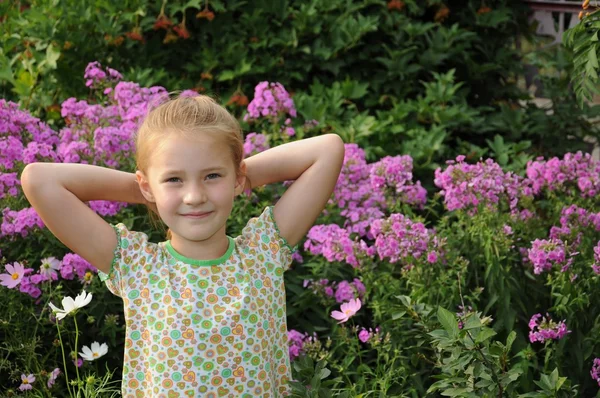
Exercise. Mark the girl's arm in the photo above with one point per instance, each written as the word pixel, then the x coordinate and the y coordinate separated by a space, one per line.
pixel 314 164
pixel 58 191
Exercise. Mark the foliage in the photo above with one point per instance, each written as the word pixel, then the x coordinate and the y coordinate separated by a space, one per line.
pixel 498 247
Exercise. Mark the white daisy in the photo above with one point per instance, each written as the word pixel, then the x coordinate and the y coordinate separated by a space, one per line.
pixel 95 352
pixel 70 305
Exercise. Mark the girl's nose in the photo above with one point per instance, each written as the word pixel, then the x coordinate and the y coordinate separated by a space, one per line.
pixel 195 194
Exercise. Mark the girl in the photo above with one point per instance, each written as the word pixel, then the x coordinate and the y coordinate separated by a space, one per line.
pixel 205 313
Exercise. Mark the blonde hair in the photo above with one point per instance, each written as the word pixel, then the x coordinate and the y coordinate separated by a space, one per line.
pixel 189 116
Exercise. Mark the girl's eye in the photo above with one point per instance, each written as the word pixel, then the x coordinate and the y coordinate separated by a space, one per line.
pixel 173 179
pixel 212 176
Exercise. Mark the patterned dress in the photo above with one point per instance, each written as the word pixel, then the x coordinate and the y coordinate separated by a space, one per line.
pixel 212 328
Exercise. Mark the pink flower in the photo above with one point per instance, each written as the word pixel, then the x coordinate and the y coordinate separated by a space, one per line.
pixel 14 276
pixel 348 310
pixel 49 268
pixel 53 376
pixel 26 382
pixel 364 335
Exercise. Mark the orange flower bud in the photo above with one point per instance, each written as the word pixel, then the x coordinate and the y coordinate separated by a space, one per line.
pixel 586 4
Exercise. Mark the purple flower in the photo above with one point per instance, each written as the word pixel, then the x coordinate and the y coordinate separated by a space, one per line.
pixel 398 237
pixel 465 186
pixel 255 143
pixel 546 329
pixel 595 372
pixel 26 382
pixel 53 376
pixel 576 170
pixel 14 275
pixel 296 341
pixel 364 335
pixel 546 253
pixel 20 222
pixel 270 100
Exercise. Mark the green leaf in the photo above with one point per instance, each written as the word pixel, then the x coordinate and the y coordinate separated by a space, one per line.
pixel 485 334
pixel 510 340
pixel 448 321
pixel 52 55
pixel 592 57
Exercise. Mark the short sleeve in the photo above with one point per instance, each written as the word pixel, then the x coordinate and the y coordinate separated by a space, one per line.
pixel 130 246
pixel 262 233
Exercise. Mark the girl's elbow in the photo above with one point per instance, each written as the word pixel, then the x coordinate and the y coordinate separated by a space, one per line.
pixel 32 176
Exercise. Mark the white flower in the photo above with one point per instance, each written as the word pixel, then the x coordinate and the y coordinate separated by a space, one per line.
pixel 49 267
pixel 71 305
pixel 95 352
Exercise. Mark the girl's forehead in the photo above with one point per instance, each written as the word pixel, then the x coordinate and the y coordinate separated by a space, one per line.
pixel 179 152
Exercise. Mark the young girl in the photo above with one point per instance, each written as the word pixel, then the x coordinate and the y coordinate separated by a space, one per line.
pixel 205 313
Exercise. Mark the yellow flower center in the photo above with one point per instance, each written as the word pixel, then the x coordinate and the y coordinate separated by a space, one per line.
pixel 88 276
pixel 15 276
pixel 25 381
pixel 95 354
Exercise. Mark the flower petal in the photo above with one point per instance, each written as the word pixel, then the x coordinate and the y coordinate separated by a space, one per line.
pixel 68 304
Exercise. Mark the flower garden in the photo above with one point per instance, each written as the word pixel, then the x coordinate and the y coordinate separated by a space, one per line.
pixel 459 254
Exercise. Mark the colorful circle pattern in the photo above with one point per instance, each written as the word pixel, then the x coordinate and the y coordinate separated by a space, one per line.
pixel 214 330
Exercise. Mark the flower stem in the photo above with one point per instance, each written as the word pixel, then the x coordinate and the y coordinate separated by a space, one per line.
pixel 76 359
pixel 62 348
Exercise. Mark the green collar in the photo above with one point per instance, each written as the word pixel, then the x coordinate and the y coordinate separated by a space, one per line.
pixel 192 261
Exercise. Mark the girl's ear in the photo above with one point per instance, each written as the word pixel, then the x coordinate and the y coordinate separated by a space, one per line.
pixel 240 182
pixel 144 186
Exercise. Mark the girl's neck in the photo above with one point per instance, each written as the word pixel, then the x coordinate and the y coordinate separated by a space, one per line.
pixel 210 249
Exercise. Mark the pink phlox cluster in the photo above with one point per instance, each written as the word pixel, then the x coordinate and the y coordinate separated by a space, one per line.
pixel 270 100
pixel 595 372
pixel 361 188
pixel 296 341
pixel 39 152
pixel 365 335
pixel 342 291
pixel 107 208
pixel 545 253
pixel 188 94
pixel 395 173
pixel 23 126
pixel 95 75
pixel 11 152
pixel 8 184
pixel 255 143
pixel 546 329
pixel 577 169
pixel 74 265
pixel 75 152
pixel 28 286
pixel 564 239
pixel 19 222
pixel 112 144
pixel 134 101
pixel 360 204
pixel 398 237
pixel 465 186
pixel 596 264
pixel 334 243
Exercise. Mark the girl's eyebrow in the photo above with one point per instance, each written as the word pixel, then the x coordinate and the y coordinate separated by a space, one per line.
pixel 206 170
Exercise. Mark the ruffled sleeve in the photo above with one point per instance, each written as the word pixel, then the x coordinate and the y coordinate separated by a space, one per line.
pixel 131 246
pixel 261 236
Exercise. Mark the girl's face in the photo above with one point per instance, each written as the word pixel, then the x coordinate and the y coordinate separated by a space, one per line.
pixel 193 184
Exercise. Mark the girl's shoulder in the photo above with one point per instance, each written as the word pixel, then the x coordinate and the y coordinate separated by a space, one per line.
pixel 261 236
pixel 131 248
